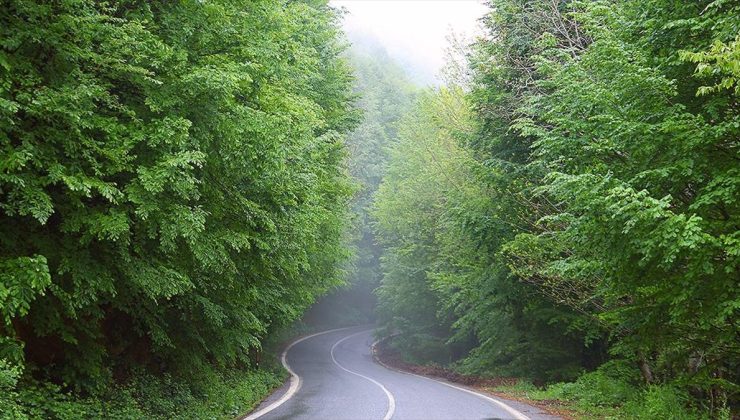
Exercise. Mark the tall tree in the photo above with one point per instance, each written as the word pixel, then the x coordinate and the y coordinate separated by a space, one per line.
pixel 384 93
pixel 172 181
pixel 593 209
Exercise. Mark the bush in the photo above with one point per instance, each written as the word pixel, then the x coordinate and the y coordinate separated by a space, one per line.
pixel 660 402
pixel 611 385
pixel 422 348
pixel 9 407
pixel 615 385
pixel 213 394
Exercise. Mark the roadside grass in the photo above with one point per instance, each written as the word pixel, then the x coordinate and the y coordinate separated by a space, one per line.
pixel 610 392
pixel 553 402
pixel 206 393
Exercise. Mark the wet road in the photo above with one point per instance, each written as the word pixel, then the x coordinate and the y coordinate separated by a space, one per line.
pixel 340 380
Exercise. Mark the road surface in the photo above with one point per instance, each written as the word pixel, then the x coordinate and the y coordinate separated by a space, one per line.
pixel 340 380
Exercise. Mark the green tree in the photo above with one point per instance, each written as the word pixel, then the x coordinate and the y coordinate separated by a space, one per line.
pixel 592 209
pixel 172 184
pixel 384 95
pixel 644 174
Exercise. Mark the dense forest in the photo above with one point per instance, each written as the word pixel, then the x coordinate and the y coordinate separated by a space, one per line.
pixel 172 189
pixel 572 206
pixel 384 94
pixel 182 181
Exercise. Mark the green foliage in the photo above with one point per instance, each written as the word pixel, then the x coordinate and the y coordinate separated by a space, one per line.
pixel 9 399
pixel 422 348
pixel 384 95
pixel 612 384
pixel 210 394
pixel 720 60
pixel 601 394
pixel 21 279
pixel 646 189
pixel 172 183
pixel 226 394
pixel 591 212
pixel 660 402
pixel 456 191
pixel 426 166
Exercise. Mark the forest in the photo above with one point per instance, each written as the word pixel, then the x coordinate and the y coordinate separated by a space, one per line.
pixel 566 209
pixel 185 184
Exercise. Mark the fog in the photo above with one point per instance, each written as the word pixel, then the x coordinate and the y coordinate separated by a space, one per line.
pixel 415 33
pixel 395 45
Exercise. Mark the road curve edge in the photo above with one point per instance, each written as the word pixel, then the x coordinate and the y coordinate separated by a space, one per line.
pixel 295 380
pixel 514 412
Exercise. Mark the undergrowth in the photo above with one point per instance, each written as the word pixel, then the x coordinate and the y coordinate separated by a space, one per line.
pixel 613 391
pixel 206 394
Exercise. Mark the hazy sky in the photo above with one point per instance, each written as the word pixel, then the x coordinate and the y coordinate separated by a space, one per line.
pixel 413 31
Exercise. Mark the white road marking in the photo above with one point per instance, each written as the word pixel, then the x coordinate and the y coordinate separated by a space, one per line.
pixel 295 380
pixel 391 400
pixel 517 415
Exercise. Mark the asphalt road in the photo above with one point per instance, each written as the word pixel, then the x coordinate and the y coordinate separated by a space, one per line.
pixel 340 380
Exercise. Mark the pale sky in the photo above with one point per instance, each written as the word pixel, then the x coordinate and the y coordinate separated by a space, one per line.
pixel 414 32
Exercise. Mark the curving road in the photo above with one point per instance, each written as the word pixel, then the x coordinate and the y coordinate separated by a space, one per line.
pixel 335 377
